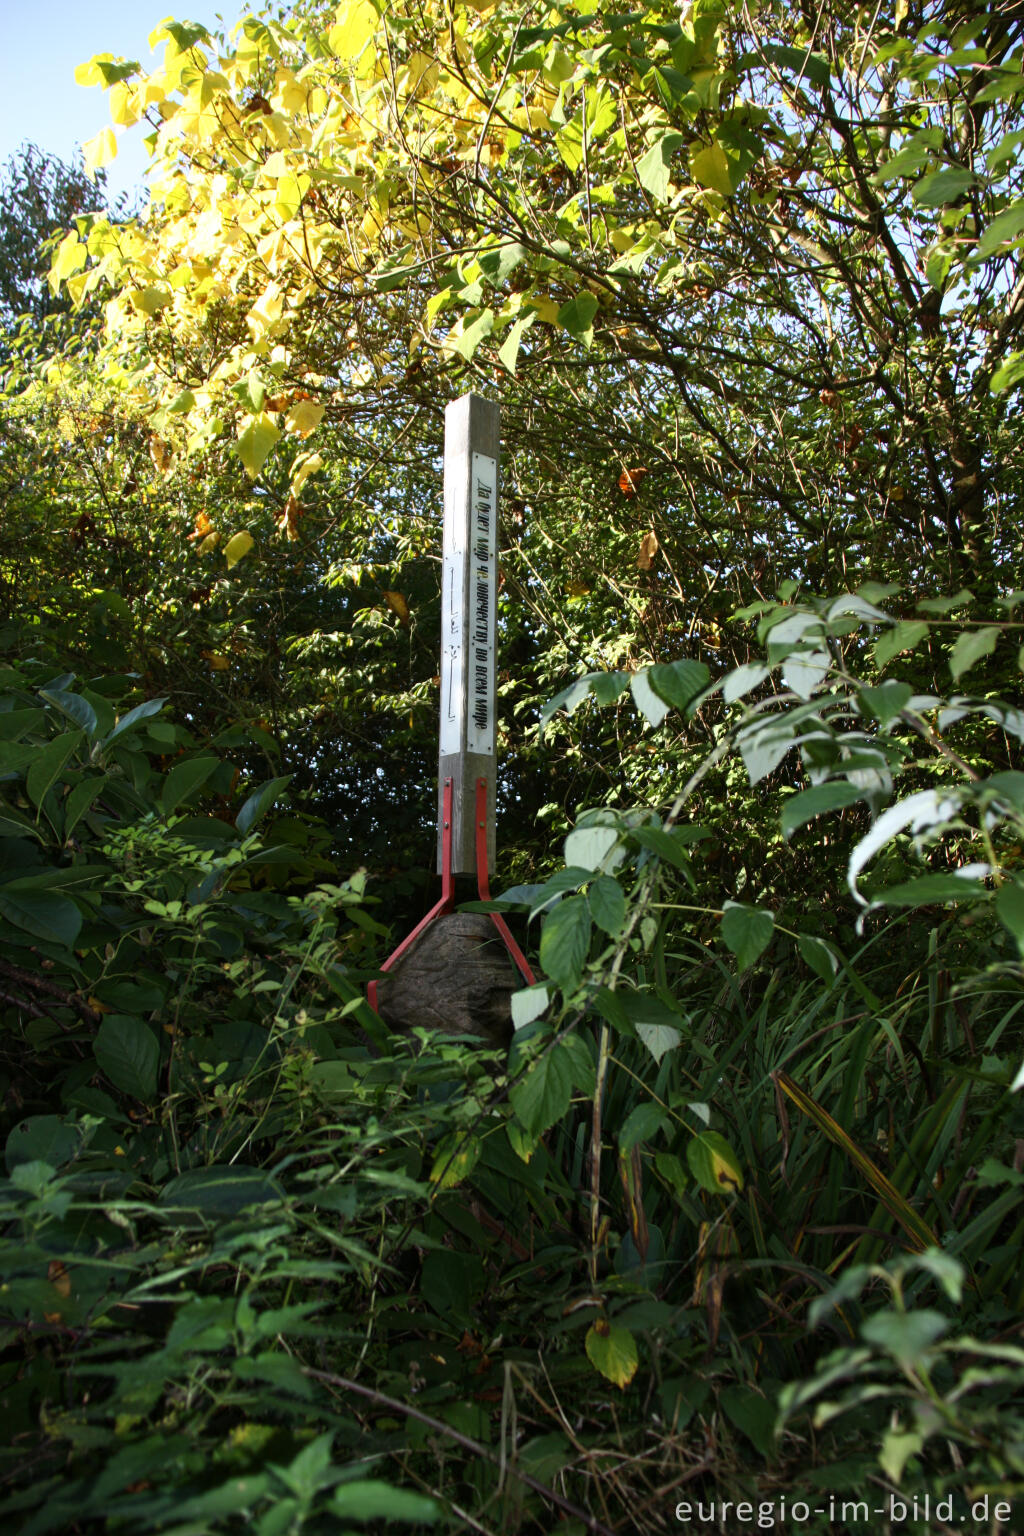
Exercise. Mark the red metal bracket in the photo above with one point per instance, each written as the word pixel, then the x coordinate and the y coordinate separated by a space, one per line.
pixel 483 884
pixel 447 892
pixel 447 900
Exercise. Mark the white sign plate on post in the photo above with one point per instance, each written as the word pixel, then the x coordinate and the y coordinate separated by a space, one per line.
pixel 467 611
pixel 468 620
pixel 483 570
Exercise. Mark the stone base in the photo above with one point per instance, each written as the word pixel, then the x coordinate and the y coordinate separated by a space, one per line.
pixel 458 977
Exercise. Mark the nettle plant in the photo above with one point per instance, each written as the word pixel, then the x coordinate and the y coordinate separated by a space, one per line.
pixel 833 718
pixel 826 690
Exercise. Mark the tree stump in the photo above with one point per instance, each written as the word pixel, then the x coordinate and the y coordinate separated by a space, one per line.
pixel 458 977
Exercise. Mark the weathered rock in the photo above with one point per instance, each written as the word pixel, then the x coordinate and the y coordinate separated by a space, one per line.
pixel 458 977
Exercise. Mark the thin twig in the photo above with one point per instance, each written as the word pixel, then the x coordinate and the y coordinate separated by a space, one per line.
pixel 382 1400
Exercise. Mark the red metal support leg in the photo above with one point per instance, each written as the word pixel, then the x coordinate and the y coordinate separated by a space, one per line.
pixel 446 902
pixel 483 884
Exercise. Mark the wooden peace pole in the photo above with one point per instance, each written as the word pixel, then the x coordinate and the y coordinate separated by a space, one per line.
pixel 467 755
pixel 468 630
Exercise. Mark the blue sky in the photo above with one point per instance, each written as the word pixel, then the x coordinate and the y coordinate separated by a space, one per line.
pixel 41 41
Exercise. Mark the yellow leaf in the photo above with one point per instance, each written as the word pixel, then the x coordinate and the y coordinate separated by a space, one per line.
pixel 648 550
pixel 238 547
pixel 124 104
pixel 258 436
pixel 70 257
pixel 303 468
pixel 217 663
pixel 209 544
pixel 58 1277
pixel 99 151
pixel 90 73
pixel 710 168
pixel 290 192
pixel 160 454
pixel 398 605
pixel 150 300
pixel 266 312
pixel 356 23
pixel 546 309
pixel 304 417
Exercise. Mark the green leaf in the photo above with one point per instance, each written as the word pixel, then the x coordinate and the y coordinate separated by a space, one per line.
pixel 80 800
pixel 544 1094
pixel 565 942
pixel 612 1351
pixel 508 352
pixel 183 781
pixel 78 710
pixel 906 1336
pixel 961 599
pixel 904 636
pixel 608 687
pixel 132 718
pixel 251 391
pixel 371 1499
pixel 747 931
pixel 714 1164
pixel 763 746
pixel 886 700
pixel 670 844
pixel 672 1171
pixel 930 890
pixel 970 647
pixel 798 63
pixel 898 1445
pixel 43 914
pixel 455 1158
pixel 607 902
pixel 818 955
pixel 678 682
pixel 1006 226
pixel 1009 905
pixel 803 807
pixel 753 1414
pixel 646 700
pixel 128 1054
pixel 260 801
pixel 42 1139
pixel 255 441
pixel 528 1004
pixel 658 1038
pixel 48 763
pixel 18 723
pixel 1009 372
pixel 654 168
pixel 590 847
pixel 469 338
pixel 642 1124
pixel 221 1190
pixel 940 188
pixel 500 261
pixel 577 317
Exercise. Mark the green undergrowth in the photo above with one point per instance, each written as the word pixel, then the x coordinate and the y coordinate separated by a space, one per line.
pixel 738 1217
